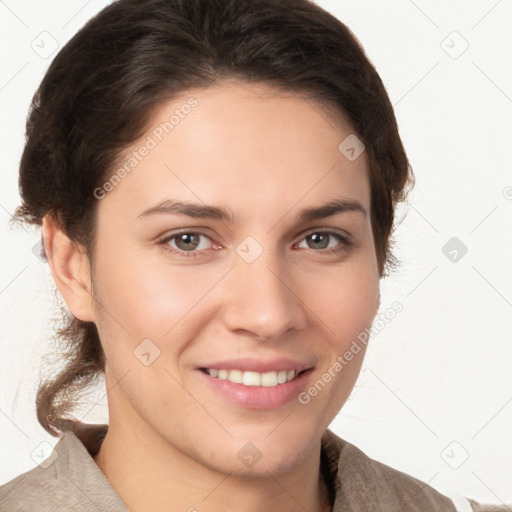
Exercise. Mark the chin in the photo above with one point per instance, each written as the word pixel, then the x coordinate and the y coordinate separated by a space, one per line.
pixel 267 451
pixel 258 464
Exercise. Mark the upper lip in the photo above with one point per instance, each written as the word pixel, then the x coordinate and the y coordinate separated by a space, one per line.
pixel 258 365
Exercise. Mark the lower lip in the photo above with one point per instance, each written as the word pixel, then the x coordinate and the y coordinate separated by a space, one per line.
pixel 258 397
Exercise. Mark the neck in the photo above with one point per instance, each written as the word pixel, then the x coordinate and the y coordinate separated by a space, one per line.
pixel 149 474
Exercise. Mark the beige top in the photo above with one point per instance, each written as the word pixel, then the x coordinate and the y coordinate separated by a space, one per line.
pixel 73 482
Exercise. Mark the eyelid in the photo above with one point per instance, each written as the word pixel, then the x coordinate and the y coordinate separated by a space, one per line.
pixel 340 232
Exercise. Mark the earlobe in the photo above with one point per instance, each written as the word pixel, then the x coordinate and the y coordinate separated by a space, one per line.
pixel 70 269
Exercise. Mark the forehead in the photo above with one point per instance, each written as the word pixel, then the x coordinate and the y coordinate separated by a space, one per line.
pixel 248 146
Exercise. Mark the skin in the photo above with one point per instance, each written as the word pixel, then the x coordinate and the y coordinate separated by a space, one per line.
pixel 172 441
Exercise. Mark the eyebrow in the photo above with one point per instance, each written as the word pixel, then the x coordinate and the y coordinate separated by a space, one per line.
pixel 202 211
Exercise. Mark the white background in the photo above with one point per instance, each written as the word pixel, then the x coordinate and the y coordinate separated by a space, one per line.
pixel 435 396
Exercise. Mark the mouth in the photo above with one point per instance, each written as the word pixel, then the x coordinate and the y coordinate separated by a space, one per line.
pixel 249 389
pixel 250 378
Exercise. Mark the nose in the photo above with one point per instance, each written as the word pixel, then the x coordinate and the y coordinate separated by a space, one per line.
pixel 260 300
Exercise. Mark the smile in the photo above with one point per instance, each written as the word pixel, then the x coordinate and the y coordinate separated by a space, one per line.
pixel 249 378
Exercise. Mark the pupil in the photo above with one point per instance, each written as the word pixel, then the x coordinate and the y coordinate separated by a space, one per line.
pixel 318 237
pixel 187 239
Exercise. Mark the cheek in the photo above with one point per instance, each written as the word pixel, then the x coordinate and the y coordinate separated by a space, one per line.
pixel 143 296
pixel 347 311
pixel 139 298
pixel 347 305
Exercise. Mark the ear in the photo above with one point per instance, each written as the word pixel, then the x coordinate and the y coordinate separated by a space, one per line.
pixel 70 269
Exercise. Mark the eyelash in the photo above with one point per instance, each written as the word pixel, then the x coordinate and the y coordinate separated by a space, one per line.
pixel 345 243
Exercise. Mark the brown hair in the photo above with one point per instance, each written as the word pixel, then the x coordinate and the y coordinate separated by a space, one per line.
pixel 99 92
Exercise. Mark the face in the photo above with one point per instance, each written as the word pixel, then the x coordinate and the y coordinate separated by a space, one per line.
pixel 223 292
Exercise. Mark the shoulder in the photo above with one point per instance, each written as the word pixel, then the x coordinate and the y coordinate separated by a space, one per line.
pixel 366 484
pixel 68 478
pixel 481 507
pixel 31 487
pixel 363 483
pixel 40 488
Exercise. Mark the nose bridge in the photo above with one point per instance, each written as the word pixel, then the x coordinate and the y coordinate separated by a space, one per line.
pixel 261 299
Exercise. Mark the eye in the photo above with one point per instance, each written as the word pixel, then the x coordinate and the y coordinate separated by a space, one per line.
pixel 325 241
pixel 192 244
pixel 186 243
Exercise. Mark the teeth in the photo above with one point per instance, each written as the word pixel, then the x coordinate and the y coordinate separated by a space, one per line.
pixel 249 378
pixel 236 376
pixel 269 379
pixel 282 376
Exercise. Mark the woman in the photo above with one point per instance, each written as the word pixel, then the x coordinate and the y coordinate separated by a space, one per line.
pixel 216 184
